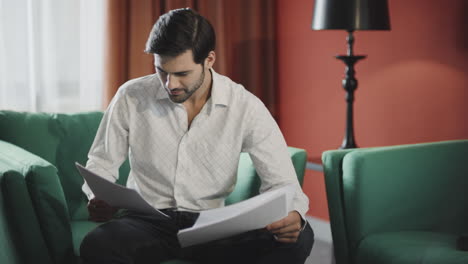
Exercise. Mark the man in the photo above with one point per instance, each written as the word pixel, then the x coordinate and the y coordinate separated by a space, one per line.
pixel 183 130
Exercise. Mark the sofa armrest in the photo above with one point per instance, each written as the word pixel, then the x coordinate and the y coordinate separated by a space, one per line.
pixel 333 170
pixel 46 196
pixel 248 182
pixel 20 221
pixel 299 160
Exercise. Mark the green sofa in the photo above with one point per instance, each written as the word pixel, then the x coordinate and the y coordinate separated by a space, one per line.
pixel 400 204
pixel 43 210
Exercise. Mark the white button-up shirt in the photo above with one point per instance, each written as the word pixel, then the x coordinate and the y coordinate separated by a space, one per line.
pixel 174 166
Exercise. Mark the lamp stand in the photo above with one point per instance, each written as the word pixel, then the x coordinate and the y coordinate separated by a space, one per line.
pixel 350 85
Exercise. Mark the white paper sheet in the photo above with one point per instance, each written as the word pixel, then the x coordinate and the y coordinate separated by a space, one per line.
pixel 114 194
pixel 254 213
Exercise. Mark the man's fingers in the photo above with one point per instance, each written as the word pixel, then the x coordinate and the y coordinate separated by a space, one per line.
pixel 98 203
pixel 286 240
pixel 100 217
pixel 101 211
pixel 291 219
pixel 278 224
pixel 275 225
pixel 286 229
pixel 292 235
pixel 100 207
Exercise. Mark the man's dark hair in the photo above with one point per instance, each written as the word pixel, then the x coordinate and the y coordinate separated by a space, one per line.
pixel 180 30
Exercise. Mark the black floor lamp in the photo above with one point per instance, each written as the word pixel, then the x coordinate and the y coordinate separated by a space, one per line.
pixel 350 15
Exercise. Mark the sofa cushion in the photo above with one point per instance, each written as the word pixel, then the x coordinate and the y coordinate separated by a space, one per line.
pixel 34 132
pixel 77 133
pixel 410 247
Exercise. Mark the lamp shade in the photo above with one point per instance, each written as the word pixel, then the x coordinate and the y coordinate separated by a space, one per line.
pixel 351 15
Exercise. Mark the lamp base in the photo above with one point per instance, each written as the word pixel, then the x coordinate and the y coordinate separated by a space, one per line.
pixel 350 85
pixel 348 145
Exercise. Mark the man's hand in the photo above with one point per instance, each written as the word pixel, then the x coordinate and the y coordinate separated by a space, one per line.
pixel 287 230
pixel 100 211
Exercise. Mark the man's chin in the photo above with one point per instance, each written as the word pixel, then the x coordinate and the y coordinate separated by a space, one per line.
pixel 178 98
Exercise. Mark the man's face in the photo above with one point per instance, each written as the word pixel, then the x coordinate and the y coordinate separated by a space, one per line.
pixel 180 75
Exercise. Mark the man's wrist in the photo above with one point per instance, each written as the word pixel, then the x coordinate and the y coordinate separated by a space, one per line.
pixel 303 221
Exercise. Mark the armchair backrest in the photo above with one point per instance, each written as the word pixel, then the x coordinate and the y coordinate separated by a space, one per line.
pixel 397 188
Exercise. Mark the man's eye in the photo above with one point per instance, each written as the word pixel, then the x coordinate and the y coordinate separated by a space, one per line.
pixel 181 74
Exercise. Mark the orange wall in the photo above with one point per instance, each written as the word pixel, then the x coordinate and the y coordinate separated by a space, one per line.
pixel 413 87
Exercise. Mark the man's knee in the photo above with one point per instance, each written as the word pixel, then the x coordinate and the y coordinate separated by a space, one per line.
pixel 98 244
pixel 116 241
pixel 306 240
pixel 90 246
pixel 304 243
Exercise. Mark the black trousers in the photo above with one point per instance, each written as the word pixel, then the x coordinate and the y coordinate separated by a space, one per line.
pixel 141 238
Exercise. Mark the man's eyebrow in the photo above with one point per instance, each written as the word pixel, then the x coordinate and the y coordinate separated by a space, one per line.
pixel 181 72
pixel 159 69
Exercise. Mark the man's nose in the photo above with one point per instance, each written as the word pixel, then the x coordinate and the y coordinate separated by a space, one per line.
pixel 172 82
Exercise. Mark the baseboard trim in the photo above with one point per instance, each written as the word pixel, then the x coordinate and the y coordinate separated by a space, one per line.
pixel 321 229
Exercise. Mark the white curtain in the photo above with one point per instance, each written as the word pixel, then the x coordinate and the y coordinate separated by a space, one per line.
pixel 51 55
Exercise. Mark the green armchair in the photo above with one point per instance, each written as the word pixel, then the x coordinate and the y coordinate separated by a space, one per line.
pixel 399 204
pixel 42 208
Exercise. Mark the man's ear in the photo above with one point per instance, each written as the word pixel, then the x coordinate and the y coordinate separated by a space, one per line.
pixel 210 60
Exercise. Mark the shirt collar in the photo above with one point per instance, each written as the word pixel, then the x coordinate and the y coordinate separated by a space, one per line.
pixel 219 93
pixel 160 91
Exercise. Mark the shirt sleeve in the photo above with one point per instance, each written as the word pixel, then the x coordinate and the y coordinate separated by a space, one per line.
pixel 268 150
pixel 110 147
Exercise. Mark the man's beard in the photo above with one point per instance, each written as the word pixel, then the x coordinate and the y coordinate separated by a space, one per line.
pixel 188 91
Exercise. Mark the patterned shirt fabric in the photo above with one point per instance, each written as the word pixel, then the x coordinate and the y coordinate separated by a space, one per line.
pixel 190 168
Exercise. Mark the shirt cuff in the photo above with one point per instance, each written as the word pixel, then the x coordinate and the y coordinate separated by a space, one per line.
pixel 87 191
pixel 304 224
